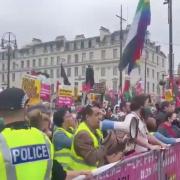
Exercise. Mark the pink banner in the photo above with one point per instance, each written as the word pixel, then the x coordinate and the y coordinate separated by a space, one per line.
pixel 143 166
pixel 64 101
pixel 45 92
pixel 153 165
pixel 171 163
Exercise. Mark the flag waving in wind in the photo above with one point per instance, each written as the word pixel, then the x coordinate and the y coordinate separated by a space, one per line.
pixel 64 76
pixel 135 41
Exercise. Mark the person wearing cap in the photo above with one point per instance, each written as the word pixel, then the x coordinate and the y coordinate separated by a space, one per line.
pixel 25 152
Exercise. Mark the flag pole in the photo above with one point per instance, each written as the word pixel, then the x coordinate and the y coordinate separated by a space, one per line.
pixel 145 72
pixel 121 41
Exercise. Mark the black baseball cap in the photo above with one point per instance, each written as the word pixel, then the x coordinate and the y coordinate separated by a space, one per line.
pixel 13 99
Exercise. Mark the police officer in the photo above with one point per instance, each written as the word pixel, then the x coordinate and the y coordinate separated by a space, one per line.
pixel 25 152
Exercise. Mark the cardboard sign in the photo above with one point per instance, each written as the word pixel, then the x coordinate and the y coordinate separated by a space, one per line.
pixel 65 91
pixel 65 96
pixel 168 95
pixel 64 101
pixel 32 87
pixel 100 87
pixel 45 92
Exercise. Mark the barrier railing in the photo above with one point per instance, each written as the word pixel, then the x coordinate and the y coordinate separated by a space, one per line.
pixel 152 165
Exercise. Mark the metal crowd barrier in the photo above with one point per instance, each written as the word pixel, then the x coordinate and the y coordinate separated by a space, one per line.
pixel 151 165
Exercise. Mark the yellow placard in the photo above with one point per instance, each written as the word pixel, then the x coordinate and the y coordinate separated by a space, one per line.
pixel 65 92
pixel 32 87
pixel 168 95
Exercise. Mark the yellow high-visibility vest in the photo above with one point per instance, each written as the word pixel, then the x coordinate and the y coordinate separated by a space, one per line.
pixel 25 154
pixel 78 161
pixel 63 156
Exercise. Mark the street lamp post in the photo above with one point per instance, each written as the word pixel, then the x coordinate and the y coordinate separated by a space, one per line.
pixel 171 68
pixel 8 42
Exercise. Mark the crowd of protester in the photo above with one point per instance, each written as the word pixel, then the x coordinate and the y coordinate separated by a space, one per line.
pixel 78 140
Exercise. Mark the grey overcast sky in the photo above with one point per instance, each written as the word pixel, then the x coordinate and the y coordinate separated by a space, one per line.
pixel 46 19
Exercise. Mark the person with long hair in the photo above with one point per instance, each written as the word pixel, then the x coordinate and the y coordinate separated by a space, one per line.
pixel 144 140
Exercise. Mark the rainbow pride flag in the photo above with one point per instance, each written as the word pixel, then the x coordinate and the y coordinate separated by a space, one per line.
pixel 135 41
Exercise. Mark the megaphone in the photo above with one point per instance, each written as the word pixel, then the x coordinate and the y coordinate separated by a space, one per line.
pixel 130 127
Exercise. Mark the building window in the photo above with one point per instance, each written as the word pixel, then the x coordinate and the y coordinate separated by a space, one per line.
pixel 103 54
pixel 45 61
pixel 40 62
pixel 52 61
pixel 28 63
pixel 51 48
pixel 51 73
pixel 158 89
pixel 3 78
pixel 82 44
pixel 146 54
pixel 2 56
pixel 27 52
pixel 45 48
pixel 147 72
pixel 158 76
pixel 33 50
pixel 58 73
pixel 76 71
pixel 14 65
pixel 157 60
pixel 34 63
pixel 153 87
pixel 22 64
pixel 14 54
pixel 153 57
pixel 103 71
pixel 71 46
pixel 83 70
pixel 115 70
pixel 153 73
pixel 89 44
pixel 76 58
pixel 91 55
pixel 83 57
pixel 162 62
pixel 13 77
pixel 3 67
pixel 58 60
pixel 115 53
pixel 147 87
pixel 68 72
pixel 69 59
pixel 115 85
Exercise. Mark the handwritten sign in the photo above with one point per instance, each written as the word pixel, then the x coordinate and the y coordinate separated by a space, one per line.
pixel 32 87
pixel 65 91
pixel 65 96
pixel 45 92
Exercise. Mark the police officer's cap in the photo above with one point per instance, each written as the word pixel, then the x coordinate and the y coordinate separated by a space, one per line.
pixel 13 99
